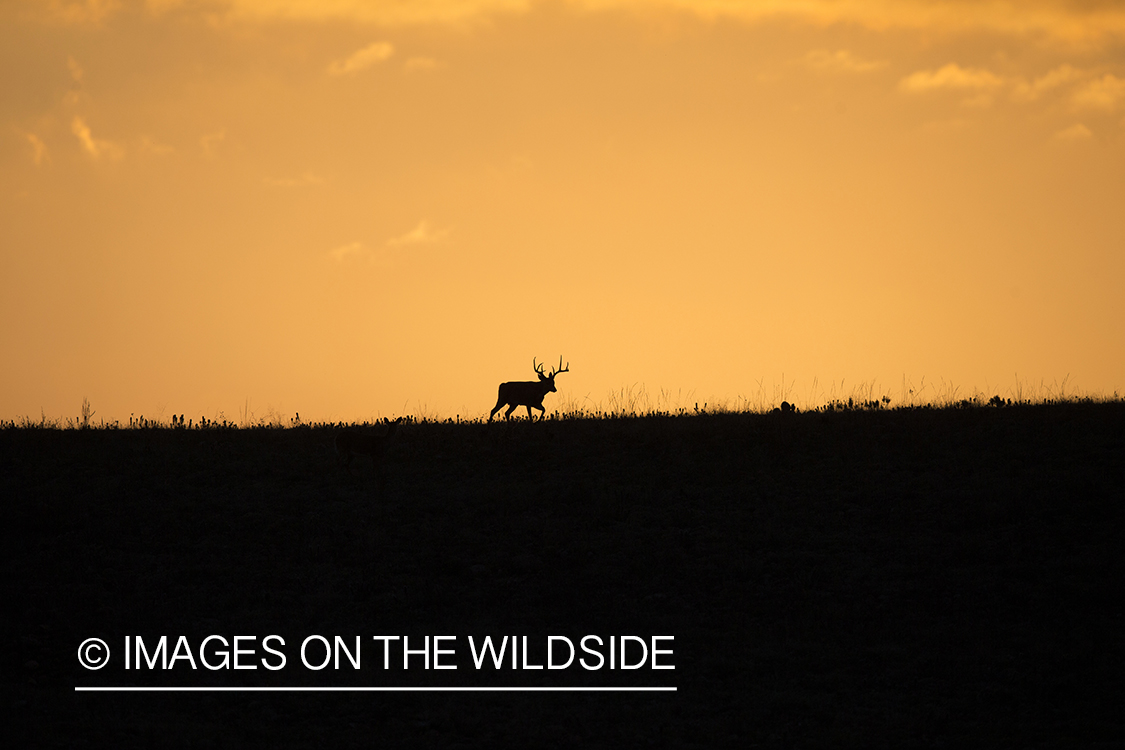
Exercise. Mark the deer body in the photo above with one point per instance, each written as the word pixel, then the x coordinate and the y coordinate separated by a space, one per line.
pixel 529 393
pixel 355 443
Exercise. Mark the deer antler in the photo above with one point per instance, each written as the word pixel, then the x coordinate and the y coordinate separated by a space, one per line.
pixel 560 368
pixel 538 368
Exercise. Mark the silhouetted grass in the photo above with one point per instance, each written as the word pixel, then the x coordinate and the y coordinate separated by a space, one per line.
pixel 856 574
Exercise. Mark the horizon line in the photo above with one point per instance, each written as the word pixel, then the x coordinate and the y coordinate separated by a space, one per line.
pixel 371 689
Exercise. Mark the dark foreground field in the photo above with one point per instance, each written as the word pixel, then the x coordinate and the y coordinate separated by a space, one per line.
pixel 882 578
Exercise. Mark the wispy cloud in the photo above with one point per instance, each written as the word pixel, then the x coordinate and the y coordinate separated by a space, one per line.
pixel 840 61
pixel 1053 79
pixel 381 12
pixel 1058 19
pixel 1055 19
pixel 1104 93
pixel 951 76
pixel 76 71
pixel 1076 132
pixel 1073 21
pixel 1087 91
pixel 361 59
pixel 39 151
pixel 95 147
pixel 393 250
pixel 419 235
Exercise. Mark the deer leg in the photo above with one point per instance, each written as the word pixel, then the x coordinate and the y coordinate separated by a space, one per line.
pixel 511 408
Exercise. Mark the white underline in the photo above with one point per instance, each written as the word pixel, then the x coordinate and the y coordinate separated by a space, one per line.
pixel 112 689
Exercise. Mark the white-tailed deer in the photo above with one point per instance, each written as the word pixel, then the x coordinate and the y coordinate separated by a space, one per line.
pixel 351 442
pixel 528 393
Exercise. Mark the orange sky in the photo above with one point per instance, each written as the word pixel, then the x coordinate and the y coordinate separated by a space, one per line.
pixel 359 209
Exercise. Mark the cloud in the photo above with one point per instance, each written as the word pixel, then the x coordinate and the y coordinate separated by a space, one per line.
pixel 419 235
pixel 1076 132
pixel 381 12
pixel 39 151
pixel 1105 93
pixel 840 61
pixel 347 251
pixel 1072 21
pixel 307 179
pixel 76 71
pixel 951 76
pixel 1027 92
pixel 372 54
pixel 94 147
pixel 1068 20
pixel 1101 93
pixel 392 253
pixel 1059 19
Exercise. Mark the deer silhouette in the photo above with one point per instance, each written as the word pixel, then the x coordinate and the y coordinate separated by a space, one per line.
pixel 528 393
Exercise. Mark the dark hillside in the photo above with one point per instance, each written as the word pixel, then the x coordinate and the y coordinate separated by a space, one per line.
pixel 882 578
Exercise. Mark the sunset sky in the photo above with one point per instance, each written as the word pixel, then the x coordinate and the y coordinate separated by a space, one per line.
pixel 363 208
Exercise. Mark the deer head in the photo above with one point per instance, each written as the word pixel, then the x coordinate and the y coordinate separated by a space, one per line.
pixel 550 379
